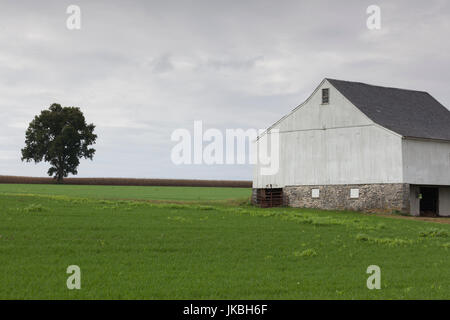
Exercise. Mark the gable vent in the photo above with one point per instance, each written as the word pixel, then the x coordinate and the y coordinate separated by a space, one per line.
pixel 325 96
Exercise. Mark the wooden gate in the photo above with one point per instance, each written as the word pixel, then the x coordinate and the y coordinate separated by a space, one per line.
pixel 267 198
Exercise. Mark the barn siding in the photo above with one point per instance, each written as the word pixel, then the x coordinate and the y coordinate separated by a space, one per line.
pixel 333 144
pixel 426 162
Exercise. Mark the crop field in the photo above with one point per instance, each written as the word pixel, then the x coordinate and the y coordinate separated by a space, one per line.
pixel 129 182
pixel 207 243
pixel 131 192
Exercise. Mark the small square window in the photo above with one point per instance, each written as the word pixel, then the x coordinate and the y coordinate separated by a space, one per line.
pixel 354 193
pixel 325 96
pixel 315 193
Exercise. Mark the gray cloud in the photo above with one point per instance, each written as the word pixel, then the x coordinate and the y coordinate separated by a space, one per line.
pixel 140 69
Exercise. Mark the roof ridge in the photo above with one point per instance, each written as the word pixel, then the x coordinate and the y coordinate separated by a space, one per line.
pixel 377 86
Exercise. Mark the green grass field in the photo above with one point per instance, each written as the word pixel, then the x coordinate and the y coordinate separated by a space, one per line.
pixel 130 192
pixel 207 248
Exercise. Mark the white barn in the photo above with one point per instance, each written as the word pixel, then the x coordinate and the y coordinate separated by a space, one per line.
pixel 356 146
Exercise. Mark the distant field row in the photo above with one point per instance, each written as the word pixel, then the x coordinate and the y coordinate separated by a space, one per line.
pixel 130 182
pixel 131 192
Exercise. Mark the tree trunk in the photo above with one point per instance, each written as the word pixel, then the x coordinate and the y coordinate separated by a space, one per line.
pixel 60 174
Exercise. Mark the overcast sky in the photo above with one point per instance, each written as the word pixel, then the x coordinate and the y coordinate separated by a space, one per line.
pixel 140 69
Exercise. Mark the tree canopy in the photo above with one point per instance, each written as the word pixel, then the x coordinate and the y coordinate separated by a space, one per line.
pixel 60 136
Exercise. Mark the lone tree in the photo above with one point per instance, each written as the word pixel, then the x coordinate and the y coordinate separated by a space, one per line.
pixel 60 136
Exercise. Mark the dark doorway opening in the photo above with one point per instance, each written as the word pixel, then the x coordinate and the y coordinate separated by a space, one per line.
pixel 429 201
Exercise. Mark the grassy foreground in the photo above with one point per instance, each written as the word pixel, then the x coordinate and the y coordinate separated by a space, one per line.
pixel 144 250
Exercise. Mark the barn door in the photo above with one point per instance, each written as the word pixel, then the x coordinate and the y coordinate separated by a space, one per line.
pixel 429 203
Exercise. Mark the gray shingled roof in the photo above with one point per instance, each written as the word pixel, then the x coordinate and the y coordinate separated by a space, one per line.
pixel 409 113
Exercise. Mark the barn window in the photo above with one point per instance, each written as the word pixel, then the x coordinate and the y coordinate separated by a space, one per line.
pixel 354 193
pixel 315 193
pixel 325 96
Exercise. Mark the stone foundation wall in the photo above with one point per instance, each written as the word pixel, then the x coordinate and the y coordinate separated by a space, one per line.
pixel 372 197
